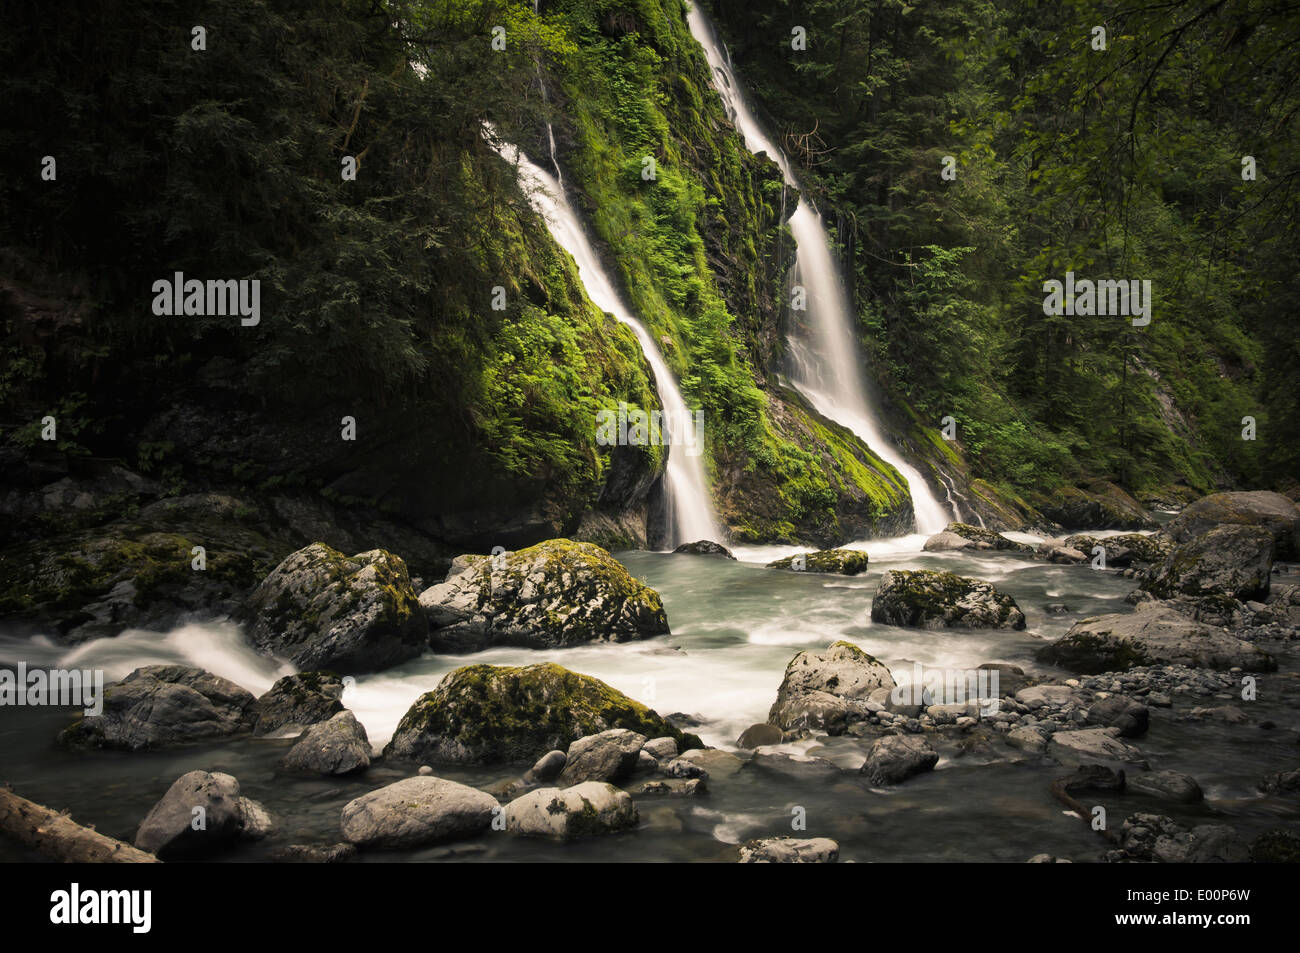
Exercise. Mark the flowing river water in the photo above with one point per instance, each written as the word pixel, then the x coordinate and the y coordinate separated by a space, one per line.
pixel 735 626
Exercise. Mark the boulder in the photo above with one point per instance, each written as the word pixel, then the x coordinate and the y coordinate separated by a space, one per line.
pixel 1124 550
pixel 1028 739
pixel 756 736
pixel 1054 551
pixel 929 599
pixel 547 767
pixel 593 807
pixel 828 689
pixel 1131 717
pixel 607 756
pixel 1091 746
pixel 977 537
pixel 841 562
pixel 1101 506
pixel 1260 509
pixel 718 764
pixel 554 594
pixel 415 812
pixel 674 787
pixel 1151 635
pixel 1231 561
pixel 201 813
pixel 160 706
pixel 705 547
pixel 789 850
pixel 493 713
pixel 895 758
pixel 297 701
pixel 947 542
pixel 1167 786
pixel 801 770
pixel 324 610
pixel 1281 782
pixel 337 746
pixel 1047 696
pixel 661 749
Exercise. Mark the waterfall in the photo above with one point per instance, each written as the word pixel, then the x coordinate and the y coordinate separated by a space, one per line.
pixel 686 488
pixel 825 365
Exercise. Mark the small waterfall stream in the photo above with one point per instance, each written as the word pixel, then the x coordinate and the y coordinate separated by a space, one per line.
pixel 826 363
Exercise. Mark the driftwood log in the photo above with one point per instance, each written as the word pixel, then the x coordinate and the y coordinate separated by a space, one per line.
pixel 58 836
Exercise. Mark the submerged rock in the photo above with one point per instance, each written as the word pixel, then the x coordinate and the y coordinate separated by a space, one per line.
pixel 928 599
pixel 200 814
pixel 489 713
pixel 1260 508
pixel 827 690
pixel 705 547
pixel 1092 745
pixel 314 854
pixel 415 812
pixel 1167 785
pixel 1231 561
pixel 160 706
pixel 553 594
pixel 298 701
pixel 895 758
pixel 789 850
pixel 584 810
pixel 337 746
pixel 1152 635
pixel 324 610
pixel 842 562
pixel 800 770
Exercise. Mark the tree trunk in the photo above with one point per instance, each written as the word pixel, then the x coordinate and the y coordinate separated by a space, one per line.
pixel 61 838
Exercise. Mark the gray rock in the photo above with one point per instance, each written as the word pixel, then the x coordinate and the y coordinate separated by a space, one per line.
pixel 415 812
pixel 896 758
pixel 684 787
pixel 681 768
pixel 593 807
pixel 1166 785
pixel 608 756
pixel 1260 508
pixel 201 813
pixel 719 764
pixel 705 547
pixel 925 598
pixel 314 854
pixel 806 770
pixel 296 701
pixel 839 562
pixel 1055 552
pixel 827 690
pixel 1028 739
pixel 1281 782
pixel 789 850
pixel 1045 696
pixel 1092 745
pixel 160 706
pixel 1151 635
pixel 554 594
pixel 661 748
pixel 548 767
pixel 338 746
pixel 1228 561
pixel 324 610
pixel 1119 711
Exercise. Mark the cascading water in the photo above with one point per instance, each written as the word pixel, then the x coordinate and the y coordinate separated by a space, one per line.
pixel 686 488
pixel 825 366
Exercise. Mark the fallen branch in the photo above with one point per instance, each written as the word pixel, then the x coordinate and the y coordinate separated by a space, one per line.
pixel 61 838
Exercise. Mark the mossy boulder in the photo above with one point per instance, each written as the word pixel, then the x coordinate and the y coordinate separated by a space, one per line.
pixel 929 599
pixel 1101 506
pixel 324 610
pixel 1271 511
pixel 973 537
pixel 556 593
pixel 1126 549
pixel 1231 560
pixel 297 701
pixel 828 690
pixel 839 562
pixel 494 713
pixel 705 547
pixel 1152 635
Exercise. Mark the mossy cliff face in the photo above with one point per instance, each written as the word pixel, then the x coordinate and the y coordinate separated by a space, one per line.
pixel 554 594
pixel 491 713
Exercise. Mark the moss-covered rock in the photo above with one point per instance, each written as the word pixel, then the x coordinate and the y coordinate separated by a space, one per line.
pixel 928 599
pixel 1101 506
pixel 1126 549
pixel 297 701
pixel 974 537
pixel 828 690
pixel 493 713
pixel 322 609
pixel 1231 560
pixel 1271 511
pixel 553 594
pixel 840 562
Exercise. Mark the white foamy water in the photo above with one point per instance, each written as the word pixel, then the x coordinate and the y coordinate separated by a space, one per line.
pixel 685 482
pixel 826 363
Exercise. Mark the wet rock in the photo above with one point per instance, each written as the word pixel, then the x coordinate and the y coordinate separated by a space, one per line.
pixel 314 854
pixel 548 767
pixel 1028 739
pixel 661 748
pixel 607 756
pixel 324 610
pixel 1277 846
pixel 718 764
pixel 976 537
pixel 1118 711
pixel 684 787
pixel 1281 782
pixel 335 747
pixel 161 706
pixel 1261 509
pixel 756 736
pixel 1123 551
pixel 415 812
pixel 554 594
pixel 491 713
pixel 1101 505
pixel 803 770
pixel 297 701
pixel 1167 786
pixel 928 599
pixel 1227 561
pixel 1054 551
pixel 1045 696
pixel 583 810
pixel 200 814
pixel 896 758
pixel 1092 745
pixel 705 547
pixel 789 850
pixel 827 689
pixel 840 562
pixel 680 768
pixel 1152 635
